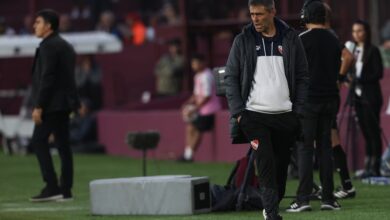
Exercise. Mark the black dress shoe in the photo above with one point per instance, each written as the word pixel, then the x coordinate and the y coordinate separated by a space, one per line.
pixel 47 195
pixel 66 196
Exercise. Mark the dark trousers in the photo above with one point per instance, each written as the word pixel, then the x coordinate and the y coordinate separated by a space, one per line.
pixel 317 124
pixel 276 134
pixel 368 114
pixel 57 124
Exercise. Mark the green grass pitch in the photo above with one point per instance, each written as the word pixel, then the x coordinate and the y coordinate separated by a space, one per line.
pixel 20 179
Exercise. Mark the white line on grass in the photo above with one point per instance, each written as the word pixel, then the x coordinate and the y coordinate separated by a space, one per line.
pixel 8 205
pixel 42 209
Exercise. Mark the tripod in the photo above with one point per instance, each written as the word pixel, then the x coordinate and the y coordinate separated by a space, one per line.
pixel 351 134
pixel 360 108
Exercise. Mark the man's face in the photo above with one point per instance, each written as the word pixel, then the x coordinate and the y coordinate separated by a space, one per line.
pixel 41 28
pixel 261 17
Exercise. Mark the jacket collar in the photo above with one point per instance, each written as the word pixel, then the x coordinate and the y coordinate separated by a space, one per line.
pixel 52 35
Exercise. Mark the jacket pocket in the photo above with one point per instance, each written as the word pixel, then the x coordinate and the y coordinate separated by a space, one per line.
pixel 236 133
pixel 234 127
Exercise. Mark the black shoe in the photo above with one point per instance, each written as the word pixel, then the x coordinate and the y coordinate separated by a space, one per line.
pixel 330 205
pixel 182 159
pixel 47 195
pixel 66 196
pixel 298 206
pixel 344 193
pixel 266 217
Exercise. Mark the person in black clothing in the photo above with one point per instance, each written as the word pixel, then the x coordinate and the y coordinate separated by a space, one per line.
pixel 54 94
pixel 346 190
pixel 323 54
pixel 368 95
pixel 266 86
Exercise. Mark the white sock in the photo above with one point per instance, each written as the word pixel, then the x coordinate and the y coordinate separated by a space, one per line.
pixel 188 153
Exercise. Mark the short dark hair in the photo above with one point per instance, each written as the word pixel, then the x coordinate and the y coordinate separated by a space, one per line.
pixel 199 57
pixel 50 16
pixel 269 4
pixel 316 13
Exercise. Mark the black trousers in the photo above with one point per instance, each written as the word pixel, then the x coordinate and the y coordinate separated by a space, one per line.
pixel 57 124
pixel 276 135
pixel 368 114
pixel 317 124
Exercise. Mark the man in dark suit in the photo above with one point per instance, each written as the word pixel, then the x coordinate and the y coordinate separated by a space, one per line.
pixel 54 94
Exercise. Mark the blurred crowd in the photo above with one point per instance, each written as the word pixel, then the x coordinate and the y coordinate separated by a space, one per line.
pixel 134 26
pixel 137 22
pixel 131 27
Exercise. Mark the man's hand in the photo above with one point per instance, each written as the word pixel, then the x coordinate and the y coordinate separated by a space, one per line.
pixel 239 119
pixel 37 116
pixel 189 113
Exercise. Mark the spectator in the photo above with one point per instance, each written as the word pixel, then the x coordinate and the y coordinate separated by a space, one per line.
pixel 169 71
pixel 134 31
pixel 27 25
pixel 107 24
pixel 169 15
pixel 81 9
pixel 151 24
pixel 5 29
pixel 198 111
pixel 83 129
pixel 88 81
pixel 65 25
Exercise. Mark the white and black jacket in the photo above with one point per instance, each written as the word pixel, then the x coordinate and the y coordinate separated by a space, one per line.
pixel 241 66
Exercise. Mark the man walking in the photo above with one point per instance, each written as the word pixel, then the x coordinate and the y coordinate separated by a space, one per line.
pixel 266 85
pixel 55 96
